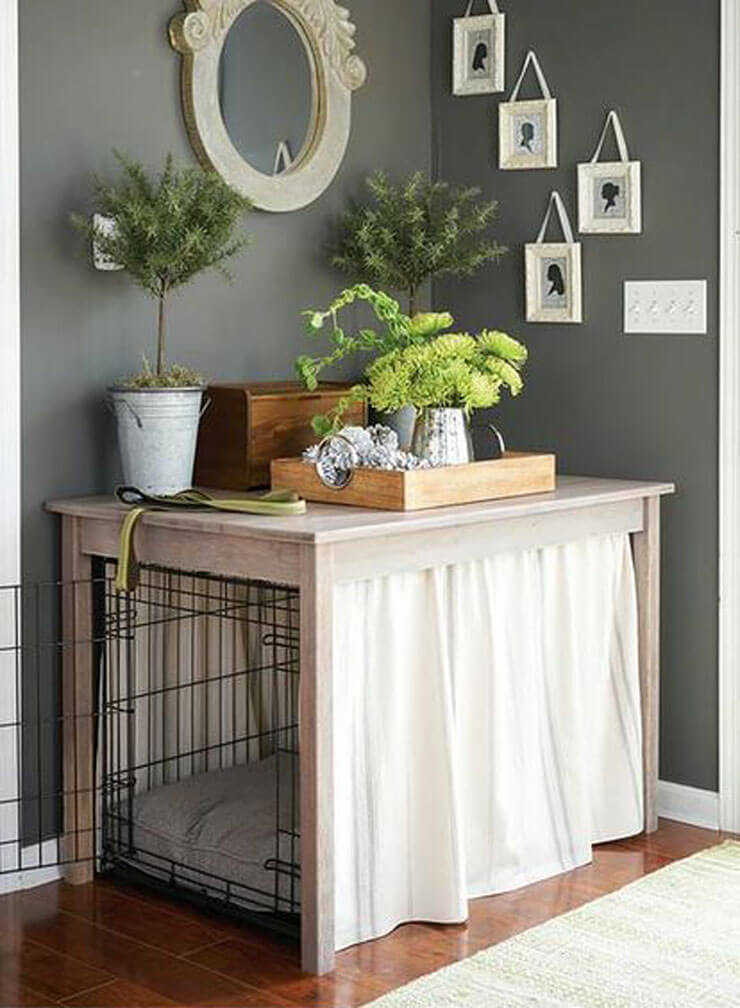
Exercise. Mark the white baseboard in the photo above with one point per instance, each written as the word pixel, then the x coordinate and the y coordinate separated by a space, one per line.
pixel 688 805
pixel 29 875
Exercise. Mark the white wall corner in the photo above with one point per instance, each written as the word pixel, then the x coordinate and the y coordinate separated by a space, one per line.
pixel 9 418
pixel 689 805
pixel 729 423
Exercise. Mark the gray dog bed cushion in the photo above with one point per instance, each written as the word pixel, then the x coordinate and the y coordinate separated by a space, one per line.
pixel 223 822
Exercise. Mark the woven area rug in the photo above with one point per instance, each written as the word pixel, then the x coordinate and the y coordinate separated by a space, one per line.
pixel 670 939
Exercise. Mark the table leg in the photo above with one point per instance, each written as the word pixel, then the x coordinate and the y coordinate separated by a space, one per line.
pixel 78 699
pixel 317 775
pixel 646 548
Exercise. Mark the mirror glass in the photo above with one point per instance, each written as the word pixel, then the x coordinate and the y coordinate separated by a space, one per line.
pixel 266 88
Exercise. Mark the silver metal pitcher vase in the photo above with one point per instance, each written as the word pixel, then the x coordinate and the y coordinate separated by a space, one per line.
pixel 442 435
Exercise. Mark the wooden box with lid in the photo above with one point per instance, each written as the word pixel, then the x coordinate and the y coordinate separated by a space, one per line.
pixel 248 424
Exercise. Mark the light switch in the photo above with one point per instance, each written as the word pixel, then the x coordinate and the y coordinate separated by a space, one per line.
pixel 665 306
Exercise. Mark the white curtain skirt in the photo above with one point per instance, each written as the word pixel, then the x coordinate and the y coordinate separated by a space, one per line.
pixel 487 729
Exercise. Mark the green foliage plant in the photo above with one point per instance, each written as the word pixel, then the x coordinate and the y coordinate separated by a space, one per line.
pixel 407 234
pixel 454 369
pixel 415 362
pixel 168 228
pixel 396 330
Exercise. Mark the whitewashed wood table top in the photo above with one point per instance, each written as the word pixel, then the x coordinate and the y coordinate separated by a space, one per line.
pixel 330 523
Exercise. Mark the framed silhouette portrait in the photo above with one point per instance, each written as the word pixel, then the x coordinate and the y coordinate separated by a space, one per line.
pixel 528 130
pixel 478 52
pixel 610 192
pixel 528 134
pixel 553 281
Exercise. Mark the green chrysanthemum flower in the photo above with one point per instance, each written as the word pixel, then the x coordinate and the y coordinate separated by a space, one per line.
pixel 502 345
pixel 484 390
pixel 427 324
pixel 454 345
pixel 507 374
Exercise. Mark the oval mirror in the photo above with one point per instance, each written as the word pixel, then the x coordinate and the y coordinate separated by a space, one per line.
pixel 265 88
pixel 267 91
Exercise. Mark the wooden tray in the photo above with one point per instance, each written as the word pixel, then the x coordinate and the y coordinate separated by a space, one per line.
pixel 514 475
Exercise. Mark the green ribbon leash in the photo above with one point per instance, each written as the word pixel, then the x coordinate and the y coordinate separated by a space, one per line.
pixel 277 503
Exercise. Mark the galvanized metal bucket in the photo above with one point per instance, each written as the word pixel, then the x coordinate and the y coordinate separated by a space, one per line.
pixel 157 434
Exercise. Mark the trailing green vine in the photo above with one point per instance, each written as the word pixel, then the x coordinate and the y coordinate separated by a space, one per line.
pixel 416 363
pixel 397 330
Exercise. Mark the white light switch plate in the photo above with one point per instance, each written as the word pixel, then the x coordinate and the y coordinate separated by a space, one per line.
pixel 665 306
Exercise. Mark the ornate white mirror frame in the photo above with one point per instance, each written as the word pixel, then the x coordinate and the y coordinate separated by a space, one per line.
pixel 326 31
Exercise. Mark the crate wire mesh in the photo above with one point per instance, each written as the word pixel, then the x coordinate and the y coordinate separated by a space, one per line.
pixel 196 696
pixel 33 794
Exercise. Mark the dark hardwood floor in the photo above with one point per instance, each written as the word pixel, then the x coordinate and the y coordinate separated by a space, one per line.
pixel 102 945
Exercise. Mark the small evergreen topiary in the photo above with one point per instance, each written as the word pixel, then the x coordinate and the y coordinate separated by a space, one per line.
pixel 168 229
pixel 409 233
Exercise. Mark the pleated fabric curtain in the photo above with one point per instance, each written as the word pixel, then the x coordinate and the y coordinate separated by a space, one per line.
pixel 487 729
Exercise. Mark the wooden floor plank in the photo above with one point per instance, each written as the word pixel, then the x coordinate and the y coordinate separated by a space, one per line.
pixel 17 995
pixel 112 946
pixel 146 899
pixel 46 971
pixel 117 912
pixel 118 994
pixel 141 964
pixel 674 840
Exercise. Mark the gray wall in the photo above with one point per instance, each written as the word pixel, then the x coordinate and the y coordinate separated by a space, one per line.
pixel 97 74
pixel 612 405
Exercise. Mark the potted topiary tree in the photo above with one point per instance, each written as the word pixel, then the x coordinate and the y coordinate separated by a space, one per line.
pixel 163 230
pixel 405 235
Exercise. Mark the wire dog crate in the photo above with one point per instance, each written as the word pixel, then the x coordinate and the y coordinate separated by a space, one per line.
pixel 195 729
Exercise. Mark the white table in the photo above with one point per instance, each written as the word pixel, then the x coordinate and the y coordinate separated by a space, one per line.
pixel 330 545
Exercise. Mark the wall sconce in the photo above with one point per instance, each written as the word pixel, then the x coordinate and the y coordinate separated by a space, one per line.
pixel 101 261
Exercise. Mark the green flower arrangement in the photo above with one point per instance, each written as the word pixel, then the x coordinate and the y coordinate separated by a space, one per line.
pixel 416 362
pixel 455 369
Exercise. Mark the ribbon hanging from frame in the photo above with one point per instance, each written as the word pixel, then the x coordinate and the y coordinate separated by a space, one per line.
pixel 530 60
pixel 283 158
pixel 610 192
pixel 478 48
pixel 492 7
pixel 553 271
pixel 556 202
pixel 528 130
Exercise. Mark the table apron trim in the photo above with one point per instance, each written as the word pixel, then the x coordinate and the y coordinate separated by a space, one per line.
pixel 383 555
pixel 214 553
